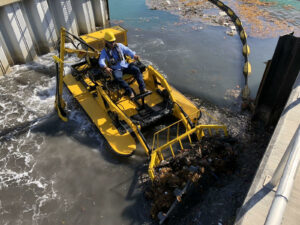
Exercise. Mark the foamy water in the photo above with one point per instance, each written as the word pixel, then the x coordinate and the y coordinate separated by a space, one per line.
pixel 41 158
pixel 27 97
pixel 23 192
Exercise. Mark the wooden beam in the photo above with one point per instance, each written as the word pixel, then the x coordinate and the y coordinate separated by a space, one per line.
pixel 7 2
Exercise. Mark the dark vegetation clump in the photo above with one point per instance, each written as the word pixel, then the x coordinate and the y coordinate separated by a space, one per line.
pixel 194 168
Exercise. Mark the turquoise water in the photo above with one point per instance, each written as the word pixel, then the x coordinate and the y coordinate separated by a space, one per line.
pixel 136 14
pixel 198 59
pixel 287 10
pixel 293 3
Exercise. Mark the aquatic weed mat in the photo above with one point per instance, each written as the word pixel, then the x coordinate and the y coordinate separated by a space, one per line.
pixel 261 19
pixel 218 202
pixel 193 169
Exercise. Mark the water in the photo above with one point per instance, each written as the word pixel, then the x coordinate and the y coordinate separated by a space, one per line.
pixel 62 173
pixel 295 4
pixel 197 58
pixel 54 172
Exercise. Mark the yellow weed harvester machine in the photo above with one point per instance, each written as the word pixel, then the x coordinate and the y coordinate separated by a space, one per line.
pixel 122 120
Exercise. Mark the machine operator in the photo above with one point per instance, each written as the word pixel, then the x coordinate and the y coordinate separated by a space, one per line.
pixel 113 61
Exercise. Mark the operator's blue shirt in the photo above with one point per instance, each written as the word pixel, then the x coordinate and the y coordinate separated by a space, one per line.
pixel 119 64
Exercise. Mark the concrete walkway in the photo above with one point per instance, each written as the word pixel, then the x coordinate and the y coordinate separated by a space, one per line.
pixel 259 198
pixel 292 212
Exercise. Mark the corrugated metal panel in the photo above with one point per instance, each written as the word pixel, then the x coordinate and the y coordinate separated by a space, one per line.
pixel 4 65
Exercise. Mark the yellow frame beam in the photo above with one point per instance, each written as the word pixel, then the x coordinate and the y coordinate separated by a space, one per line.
pixel 122 115
pixel 60 60
pixel 157 156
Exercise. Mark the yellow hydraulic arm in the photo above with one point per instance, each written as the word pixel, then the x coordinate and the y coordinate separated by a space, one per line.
pixel 59 102
pixel 93 53
pixel 83 53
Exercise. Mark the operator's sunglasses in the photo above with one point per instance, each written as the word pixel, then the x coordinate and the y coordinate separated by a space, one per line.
pixel 110 42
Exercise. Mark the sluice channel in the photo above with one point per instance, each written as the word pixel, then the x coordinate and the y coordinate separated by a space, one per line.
pixel 53 172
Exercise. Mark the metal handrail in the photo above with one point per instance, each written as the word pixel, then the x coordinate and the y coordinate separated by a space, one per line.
pixel 286 170
pixel 157 154
pixel 155 141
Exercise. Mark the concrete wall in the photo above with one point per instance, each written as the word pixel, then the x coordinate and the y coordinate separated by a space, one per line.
pixel 43 25
pixel 5 58
pixel 16 34
pixel 64 15
pixel 85 16
pixel 31 27
pixel 101 15
pixel 278 80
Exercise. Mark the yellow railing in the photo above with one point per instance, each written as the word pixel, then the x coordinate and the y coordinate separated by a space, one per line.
pixel 199 130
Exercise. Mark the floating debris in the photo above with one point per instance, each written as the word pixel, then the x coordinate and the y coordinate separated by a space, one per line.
pixel 209 158
pixel 232 93
pixel 258 19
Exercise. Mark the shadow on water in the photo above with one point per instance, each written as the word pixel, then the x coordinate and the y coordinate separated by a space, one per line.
pixel 138 210
pixel 54 127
